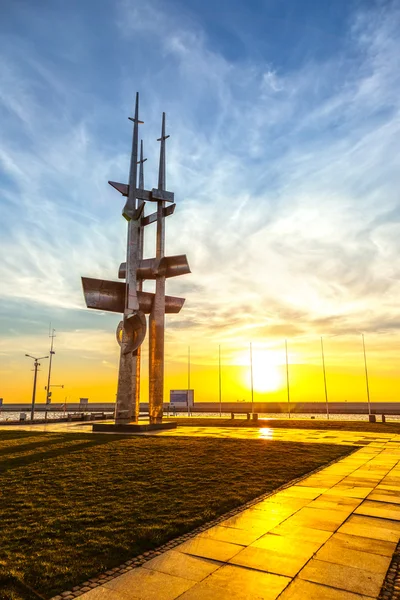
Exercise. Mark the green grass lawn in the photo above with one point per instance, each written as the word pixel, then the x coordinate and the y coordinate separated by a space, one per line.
pixel 73 505
pixel 360 426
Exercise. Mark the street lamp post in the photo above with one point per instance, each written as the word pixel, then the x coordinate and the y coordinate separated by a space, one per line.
pixel 36 364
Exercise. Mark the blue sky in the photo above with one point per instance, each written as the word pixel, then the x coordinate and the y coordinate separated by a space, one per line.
pixel 284 123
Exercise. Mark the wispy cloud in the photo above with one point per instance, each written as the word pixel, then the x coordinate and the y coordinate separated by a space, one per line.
pixel 286 178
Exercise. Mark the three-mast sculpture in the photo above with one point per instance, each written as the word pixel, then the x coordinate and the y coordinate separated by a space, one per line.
pixel 129 298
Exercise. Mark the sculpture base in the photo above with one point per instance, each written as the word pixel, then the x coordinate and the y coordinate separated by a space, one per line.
pixel 132 427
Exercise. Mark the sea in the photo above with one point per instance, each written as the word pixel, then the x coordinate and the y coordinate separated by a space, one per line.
pixel 15 416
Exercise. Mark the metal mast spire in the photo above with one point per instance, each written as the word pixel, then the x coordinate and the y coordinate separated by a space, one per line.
pixel 140 162
pixel 127 395
pixel 138 351
pixel 129 214
pixel 157 319
pixel 161 170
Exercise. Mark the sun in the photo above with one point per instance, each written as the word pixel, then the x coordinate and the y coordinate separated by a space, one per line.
pixel 268 372
pixel 267 377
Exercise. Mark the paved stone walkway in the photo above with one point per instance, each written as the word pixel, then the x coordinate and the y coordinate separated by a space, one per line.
pixel 329 537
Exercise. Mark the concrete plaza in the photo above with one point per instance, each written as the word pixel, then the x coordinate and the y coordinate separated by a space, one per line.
pixel 330 536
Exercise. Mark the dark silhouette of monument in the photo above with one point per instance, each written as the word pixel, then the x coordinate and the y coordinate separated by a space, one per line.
pixel 129 298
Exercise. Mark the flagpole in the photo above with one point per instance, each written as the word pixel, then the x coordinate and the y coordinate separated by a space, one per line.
pixel 366 375
pixel 287 378
pixel 326 389
pixel 219 380
pixel 251 377
pixel 188 380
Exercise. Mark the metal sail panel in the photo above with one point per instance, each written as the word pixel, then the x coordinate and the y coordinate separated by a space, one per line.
pixel 162 195
pixel 150 268
pixel 109 296
pixel 122 188
pixel 149 219
pixel 173 304
pixel 176 265
pixel 155 195
pixel 104 295
pixel 168 210
pixel 147 269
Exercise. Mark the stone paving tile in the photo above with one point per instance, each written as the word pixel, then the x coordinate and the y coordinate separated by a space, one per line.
pixel 149 585
pixel 384 510
pixel 288 546
pixel 318 518
pixel 274 510
pixel 231 534
pixel 318 482
pixel 209 548
pixel 356 542
pixel 305 590
pixel 303 533
pixel 381 495
pixel 207 591
pixel 298 491
pixel 343 577
pixel 281 501
pixel 350 491
pixel 230 579
pixel 183 565
pixel 272 562
pixel 372 527
pixel 361 480
pixel 335 553
pixel 250 522
pixel 335 503
pixel 102 593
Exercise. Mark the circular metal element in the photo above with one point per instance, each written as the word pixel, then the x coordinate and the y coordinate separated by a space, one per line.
pixel 132 331
pixel 119 333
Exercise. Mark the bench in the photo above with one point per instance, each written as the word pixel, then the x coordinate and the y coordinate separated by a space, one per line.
pixel 249 415
pixel 86 416
pixel 372 418
pixel 98 415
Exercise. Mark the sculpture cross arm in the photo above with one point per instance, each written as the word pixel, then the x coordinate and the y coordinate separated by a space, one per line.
pixel 122 188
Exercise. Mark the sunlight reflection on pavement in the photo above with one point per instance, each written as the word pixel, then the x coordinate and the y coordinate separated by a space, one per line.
pixel 320 436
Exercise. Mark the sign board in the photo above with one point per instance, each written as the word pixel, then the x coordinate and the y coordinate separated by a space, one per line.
pixel 83 403
pixel 182 398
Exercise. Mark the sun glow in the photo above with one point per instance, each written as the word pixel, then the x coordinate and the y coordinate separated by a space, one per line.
pixel 268 369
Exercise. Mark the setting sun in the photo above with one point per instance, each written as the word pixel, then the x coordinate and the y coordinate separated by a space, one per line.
pixel 267 369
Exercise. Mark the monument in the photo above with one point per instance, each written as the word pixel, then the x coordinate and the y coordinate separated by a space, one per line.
pixel 129 298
